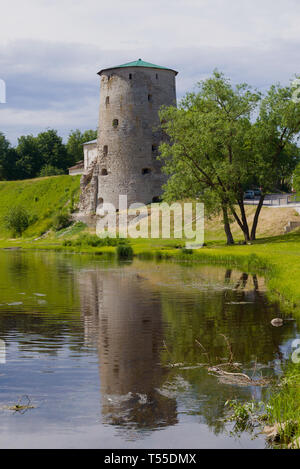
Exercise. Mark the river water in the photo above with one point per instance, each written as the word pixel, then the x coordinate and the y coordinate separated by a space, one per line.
pixel 115 355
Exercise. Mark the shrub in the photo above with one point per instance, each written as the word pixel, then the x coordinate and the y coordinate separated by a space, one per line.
pixel 67 242
pixel 186 251
pixel 124 252
pixel 61 220
pixel 93 240
pixel 17 220
pixel 49 170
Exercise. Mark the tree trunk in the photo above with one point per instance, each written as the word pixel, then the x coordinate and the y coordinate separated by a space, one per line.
pixel 244 228
pixel 244 220
pixel 256 216
pixel 227 228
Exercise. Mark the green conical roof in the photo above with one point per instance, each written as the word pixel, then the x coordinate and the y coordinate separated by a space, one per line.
pixel 138 63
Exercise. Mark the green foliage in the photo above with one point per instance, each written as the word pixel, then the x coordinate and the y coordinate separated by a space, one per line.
pixel 245 416
pixel 225 139
pixel 87 239
pixel 124 252
pixel 75 143
pixel 29 157
pixel 43 155
pixel 284 405
pixel 16 220
pixel 8 159
pixel 296 179
pixel 49 170
pixel 61 220
pixel 52 150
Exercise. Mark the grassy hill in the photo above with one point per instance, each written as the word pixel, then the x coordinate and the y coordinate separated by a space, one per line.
pixel 42 198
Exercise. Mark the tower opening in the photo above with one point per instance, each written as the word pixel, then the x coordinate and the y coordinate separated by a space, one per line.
pixel 105 150
pixel 107 101
pixel 115 123
pixel 149 97
pixel 146 170
pixel 104 172
pixel 130 76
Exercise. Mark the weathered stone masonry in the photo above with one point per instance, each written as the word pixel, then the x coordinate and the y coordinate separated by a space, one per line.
pixel 129 135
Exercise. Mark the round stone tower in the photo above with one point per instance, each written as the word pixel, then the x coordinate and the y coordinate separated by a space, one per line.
pixel 129 132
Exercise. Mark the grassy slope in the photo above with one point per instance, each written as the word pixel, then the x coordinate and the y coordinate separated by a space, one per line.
pixel 42 197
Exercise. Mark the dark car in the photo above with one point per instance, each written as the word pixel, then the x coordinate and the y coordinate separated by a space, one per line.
pixel 249 195
pixel 257 192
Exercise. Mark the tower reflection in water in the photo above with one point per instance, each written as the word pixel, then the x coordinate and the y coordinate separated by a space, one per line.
pixel 127 329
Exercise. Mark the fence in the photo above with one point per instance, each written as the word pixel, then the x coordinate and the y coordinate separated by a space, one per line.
pixel 276 200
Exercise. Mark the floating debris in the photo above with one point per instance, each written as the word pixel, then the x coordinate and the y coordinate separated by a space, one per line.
pixel 277 322
pixel 239 379
pixel 19 407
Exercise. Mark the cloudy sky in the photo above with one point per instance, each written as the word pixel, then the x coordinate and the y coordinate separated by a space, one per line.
pixel 51 50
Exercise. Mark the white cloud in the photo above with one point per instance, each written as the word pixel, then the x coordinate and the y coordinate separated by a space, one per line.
pixel 50 50
pixel 116 24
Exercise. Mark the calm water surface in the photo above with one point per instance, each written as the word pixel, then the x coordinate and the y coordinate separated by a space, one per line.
pixel 109 353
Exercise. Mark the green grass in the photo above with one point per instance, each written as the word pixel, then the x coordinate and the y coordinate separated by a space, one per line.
pixel 284 406
pixel 42 198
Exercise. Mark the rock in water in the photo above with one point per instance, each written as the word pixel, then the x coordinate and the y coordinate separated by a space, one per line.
pixel 277 322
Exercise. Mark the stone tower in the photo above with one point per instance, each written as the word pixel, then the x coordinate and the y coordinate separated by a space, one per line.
pixel 129 135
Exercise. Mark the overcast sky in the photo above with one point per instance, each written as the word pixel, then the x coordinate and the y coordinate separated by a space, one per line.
pixel 51 50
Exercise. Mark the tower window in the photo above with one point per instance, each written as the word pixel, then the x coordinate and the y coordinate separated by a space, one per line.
pixel 157 76
pixel 104 172
pixel 130 76
pixel 107 100
pixel 105 150
pixel 154 148
pixel 149 97
pixel 146 171
pixel 115 123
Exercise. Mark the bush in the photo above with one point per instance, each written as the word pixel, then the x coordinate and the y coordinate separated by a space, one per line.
pixel 60 221
pixel 87 239
pixel 49 170
pixel 124 252
pixel 17 220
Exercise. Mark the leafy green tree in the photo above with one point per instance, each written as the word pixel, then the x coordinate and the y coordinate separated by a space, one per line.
pixel 52 150
pixel 217 149
pixel 29 157
pixel 275 133
pixel 208 155
pixel 8 159
pixel 17 220
pixel 296 179
pixel 75 143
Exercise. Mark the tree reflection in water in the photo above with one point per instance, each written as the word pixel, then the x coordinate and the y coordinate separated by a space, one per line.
pixel 146 328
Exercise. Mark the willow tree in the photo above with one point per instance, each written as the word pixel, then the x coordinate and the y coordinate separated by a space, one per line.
pixel 217 148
